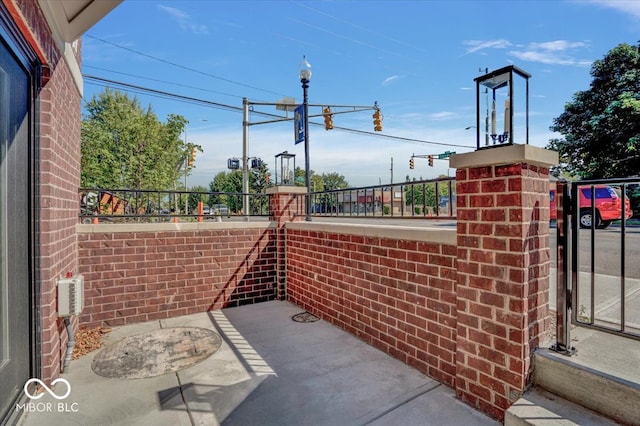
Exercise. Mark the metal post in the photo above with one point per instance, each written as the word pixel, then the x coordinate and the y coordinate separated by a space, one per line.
pixel 245 157
pixel 563 290
pixel 186 164
pixel 305 102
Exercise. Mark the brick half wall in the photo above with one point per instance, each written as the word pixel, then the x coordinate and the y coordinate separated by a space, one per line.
pixel 394 287
pixel 142 272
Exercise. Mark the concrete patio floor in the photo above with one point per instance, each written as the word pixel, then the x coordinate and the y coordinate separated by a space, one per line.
pixel 268 370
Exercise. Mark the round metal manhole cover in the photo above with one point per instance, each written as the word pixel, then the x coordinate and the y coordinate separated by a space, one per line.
pixel 305 317
pixel 156 353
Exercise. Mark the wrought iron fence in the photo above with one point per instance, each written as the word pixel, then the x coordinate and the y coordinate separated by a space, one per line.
pixel 435 198
pixel 125 205
pixel 598 281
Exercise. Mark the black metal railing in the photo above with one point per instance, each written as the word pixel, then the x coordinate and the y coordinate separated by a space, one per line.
pixel 125 205
pixel 604 286
pixel 598 232
pixel 435 198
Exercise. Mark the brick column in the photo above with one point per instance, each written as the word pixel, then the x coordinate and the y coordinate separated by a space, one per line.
pixel 286 204
pixel 503 271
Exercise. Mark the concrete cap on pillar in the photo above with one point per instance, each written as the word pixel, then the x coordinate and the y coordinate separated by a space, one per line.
pixel 511 154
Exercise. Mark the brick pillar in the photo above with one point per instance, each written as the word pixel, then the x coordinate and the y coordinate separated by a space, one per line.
pixel 286 204
pixel 503 271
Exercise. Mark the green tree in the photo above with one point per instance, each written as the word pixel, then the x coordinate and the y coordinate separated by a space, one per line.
pixel 231 185
pixel 126 146
pixel 425 195
pixel 601 125
pixel 334 181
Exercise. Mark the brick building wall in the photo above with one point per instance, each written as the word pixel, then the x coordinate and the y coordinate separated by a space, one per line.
pixel 136 273
pixel 59 180
pixel 56 167
pixel 394 288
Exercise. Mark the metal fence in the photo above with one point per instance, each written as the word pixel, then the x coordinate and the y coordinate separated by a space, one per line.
pixel 598 278
pixel 435 198
pixel 125 205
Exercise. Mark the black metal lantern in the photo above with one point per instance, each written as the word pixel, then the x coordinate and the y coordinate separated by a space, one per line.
pixel 285 168
pixel 500 84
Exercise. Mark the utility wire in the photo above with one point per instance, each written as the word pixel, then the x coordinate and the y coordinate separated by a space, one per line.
pixel 164 81
pixel 187 99
pixel 182 66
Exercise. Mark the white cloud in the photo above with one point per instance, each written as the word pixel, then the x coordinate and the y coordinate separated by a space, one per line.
pixel 630 7
pixel 389 80
pixel 476 45
pixel 558 45
pixel 443 115
pixel 184 20
pixel 556 52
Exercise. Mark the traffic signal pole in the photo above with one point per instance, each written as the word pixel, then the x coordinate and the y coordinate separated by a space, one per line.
pixel 430 158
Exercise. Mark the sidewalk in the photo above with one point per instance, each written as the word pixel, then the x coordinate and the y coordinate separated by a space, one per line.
pixel 597 350
pixel 268 370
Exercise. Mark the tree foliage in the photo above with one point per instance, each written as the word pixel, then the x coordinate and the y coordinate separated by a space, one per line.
pixel 125 146
pixel 424 195
pixel 601 125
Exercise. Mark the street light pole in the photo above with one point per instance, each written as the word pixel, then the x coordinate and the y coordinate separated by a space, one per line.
pixel 186 164
pixel 305 77
pixel 245 157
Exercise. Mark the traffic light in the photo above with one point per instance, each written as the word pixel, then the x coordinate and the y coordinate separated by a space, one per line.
pixel 431 161
pixel 192 157
pixel 412 164
pixel 328 118
pixel 377 121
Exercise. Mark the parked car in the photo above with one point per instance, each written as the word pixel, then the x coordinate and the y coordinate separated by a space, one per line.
pixel 206 210
pixel 220 210
pixel 607 206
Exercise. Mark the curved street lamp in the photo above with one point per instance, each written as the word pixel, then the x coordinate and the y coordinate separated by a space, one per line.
pixel 305 77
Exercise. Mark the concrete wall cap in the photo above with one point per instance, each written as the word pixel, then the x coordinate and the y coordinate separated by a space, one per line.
pixel 511 154
pixel 101 228
pixel 409 233
pixel 286 189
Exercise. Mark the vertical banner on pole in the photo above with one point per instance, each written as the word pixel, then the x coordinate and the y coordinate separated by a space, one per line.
pixel 298 122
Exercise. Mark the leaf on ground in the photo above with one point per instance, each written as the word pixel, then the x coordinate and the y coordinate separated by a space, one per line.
pixel 88 340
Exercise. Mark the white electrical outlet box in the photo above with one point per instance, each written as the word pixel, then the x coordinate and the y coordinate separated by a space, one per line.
pixel 70 296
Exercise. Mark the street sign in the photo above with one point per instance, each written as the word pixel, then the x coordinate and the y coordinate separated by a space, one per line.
pixel 298 124
pixel 233 163
pixel 445 154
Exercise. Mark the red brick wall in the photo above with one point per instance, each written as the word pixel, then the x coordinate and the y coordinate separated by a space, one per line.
pixel 58 176
pixel 58 216
pixel 503 280
pixel 286 204
pixel 398 295
pixel 139 275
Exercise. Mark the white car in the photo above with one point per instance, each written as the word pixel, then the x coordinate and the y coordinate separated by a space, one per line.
pixel 220 210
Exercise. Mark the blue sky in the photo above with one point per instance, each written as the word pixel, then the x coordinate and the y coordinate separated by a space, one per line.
pixel 417 59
